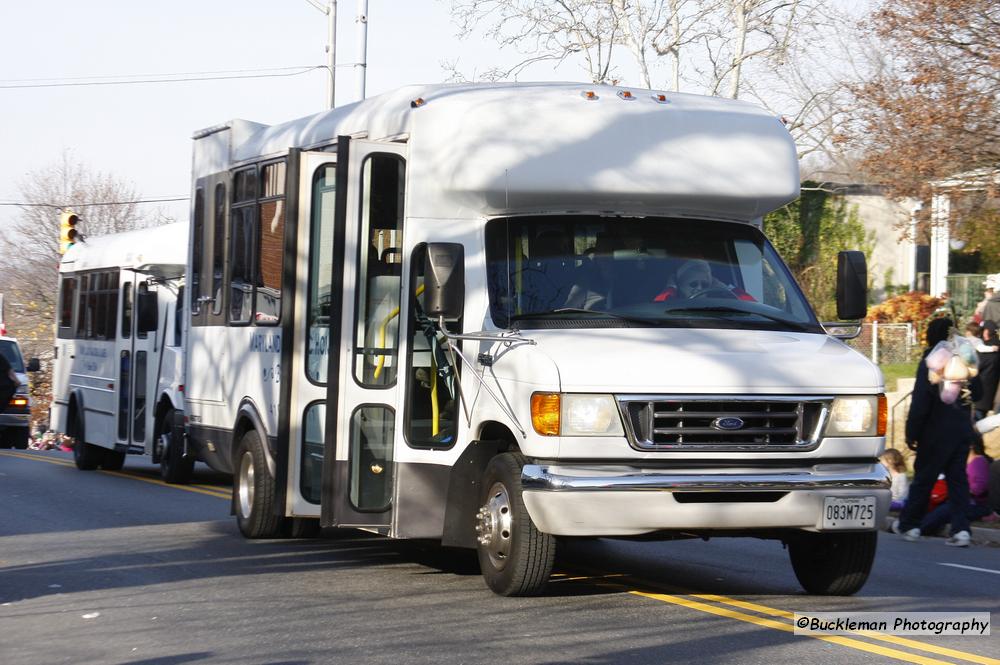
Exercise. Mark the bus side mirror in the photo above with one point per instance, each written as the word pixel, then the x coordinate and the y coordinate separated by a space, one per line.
pixel 147 312
pixel 852 286
pixel 444 280
pixel 34 365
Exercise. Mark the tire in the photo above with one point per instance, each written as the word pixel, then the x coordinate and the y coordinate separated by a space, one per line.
pixel 514 556
pixel 86 456
pixel 254 490
pixel 833 564
pixel 175 468
pixel 113 460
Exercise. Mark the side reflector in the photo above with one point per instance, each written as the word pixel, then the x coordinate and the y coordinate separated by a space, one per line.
pixel 883 415
pixel 660 98
pixel 589 94
pixel 418 102
pixel 545 413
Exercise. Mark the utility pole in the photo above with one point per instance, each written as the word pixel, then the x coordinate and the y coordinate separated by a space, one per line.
pixel 330 9
pixel 361 66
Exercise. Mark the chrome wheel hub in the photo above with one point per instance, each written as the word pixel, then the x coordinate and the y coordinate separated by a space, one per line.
pixel 493 526
pixel 246 485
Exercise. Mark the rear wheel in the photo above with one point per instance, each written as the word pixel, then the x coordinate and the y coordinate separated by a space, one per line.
pixel 255 490
pixel 833 564
pixel 86 456
pixel 175 468
pixel 514 556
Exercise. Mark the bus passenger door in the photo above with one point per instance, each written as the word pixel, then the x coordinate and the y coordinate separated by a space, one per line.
pixel 358 469
pixel 316 328
pixel 140 341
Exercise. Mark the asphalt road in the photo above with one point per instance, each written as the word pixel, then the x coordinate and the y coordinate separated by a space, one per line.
pixel 100 567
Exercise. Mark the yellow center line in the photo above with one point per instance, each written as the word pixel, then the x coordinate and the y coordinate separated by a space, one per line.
pixel 787 627
pixel 220 494
pixel 875 635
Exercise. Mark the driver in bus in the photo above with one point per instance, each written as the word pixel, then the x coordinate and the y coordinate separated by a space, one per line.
pixel 694 279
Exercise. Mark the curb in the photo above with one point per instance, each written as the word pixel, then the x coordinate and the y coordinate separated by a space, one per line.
pixel 980 534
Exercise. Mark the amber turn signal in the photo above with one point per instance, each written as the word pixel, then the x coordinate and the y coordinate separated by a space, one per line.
pixel 545 413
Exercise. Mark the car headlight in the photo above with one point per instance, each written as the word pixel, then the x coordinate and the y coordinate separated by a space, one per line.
pixel 563 414
pixel 858 416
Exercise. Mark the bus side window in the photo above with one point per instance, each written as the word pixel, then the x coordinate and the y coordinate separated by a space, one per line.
pixel 431 397
pixel 67 299
pixel 197 249
pixel 242 263
pixel 179 317
pixel 271 243
pixel 379 271
pixel 218 247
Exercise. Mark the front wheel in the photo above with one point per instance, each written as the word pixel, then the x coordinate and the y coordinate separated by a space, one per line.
pixel 514 556
pixel 255 490
pixel 833 564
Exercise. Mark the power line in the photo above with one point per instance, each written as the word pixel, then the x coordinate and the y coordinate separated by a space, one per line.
pixel 70 83
pixel 60 206
pixel 63 79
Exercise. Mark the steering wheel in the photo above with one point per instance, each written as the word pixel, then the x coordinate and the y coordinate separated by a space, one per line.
pixel 715 292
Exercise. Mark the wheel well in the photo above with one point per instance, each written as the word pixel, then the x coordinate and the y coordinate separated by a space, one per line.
pixel 243 425
pixel 464 482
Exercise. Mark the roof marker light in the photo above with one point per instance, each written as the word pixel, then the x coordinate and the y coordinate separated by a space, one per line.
pixel 660 98
pixel 589 94
pixel 418 102
pixel 626 95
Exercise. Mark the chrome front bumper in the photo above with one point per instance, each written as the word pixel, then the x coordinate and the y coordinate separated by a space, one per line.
pixel 601 500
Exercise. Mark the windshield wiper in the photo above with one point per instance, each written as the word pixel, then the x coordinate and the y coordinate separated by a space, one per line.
pixel 589 312
pixel 804 327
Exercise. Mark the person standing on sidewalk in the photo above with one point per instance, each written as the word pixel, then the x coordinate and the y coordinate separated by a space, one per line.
pixel 940 433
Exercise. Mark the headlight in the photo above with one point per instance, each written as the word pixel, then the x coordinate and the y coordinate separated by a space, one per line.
pixel 554 414
pixel 858 416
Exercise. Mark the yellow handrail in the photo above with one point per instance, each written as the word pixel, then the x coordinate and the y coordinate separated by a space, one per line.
pixel 380 363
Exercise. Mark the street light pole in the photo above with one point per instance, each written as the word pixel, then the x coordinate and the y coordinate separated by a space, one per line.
pixel 330 9
pixel 361 66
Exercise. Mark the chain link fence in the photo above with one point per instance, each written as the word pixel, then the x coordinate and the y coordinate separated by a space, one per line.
pixel 887 343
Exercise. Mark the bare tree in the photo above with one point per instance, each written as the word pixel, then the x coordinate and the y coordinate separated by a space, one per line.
pixel 30 243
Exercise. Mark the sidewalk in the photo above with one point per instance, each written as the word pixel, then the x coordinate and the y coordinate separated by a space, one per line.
pixel 981 533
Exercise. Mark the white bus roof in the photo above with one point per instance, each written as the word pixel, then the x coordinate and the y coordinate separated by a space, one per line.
pixel 161 250
pixel 491 149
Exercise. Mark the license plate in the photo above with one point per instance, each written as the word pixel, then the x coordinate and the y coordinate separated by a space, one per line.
pixel 849 512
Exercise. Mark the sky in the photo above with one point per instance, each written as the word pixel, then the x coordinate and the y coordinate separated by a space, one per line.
pixel 142 133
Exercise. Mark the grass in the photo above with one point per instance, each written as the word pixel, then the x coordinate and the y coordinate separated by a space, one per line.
pixel 898 371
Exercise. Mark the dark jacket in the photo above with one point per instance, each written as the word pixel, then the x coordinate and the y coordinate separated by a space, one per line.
pixel 989 377
pixel 991 311
pixel 931 421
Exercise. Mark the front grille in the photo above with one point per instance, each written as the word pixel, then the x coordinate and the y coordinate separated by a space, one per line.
pixel 724 423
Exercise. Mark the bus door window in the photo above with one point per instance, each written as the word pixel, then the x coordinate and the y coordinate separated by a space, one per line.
pixel 139 402
pixel 179 317
pixel 126 310
pixel 372 428
pixel 271 243
pixel 124 395
pixel 379 271
pixel 320 273
pixel 431 392
pixel 242 250
pixel 313 441
pixel 81 309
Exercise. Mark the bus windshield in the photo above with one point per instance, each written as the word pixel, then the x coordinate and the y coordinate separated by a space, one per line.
pixel 568 271
pixel 13 355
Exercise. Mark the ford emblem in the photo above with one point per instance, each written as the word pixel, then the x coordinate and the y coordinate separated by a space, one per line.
pixel 728 423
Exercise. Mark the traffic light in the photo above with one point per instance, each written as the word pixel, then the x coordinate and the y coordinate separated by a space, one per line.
pixel 68 233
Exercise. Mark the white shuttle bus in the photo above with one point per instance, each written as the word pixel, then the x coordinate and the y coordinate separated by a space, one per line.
pixel 116 381
pixel 501 315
